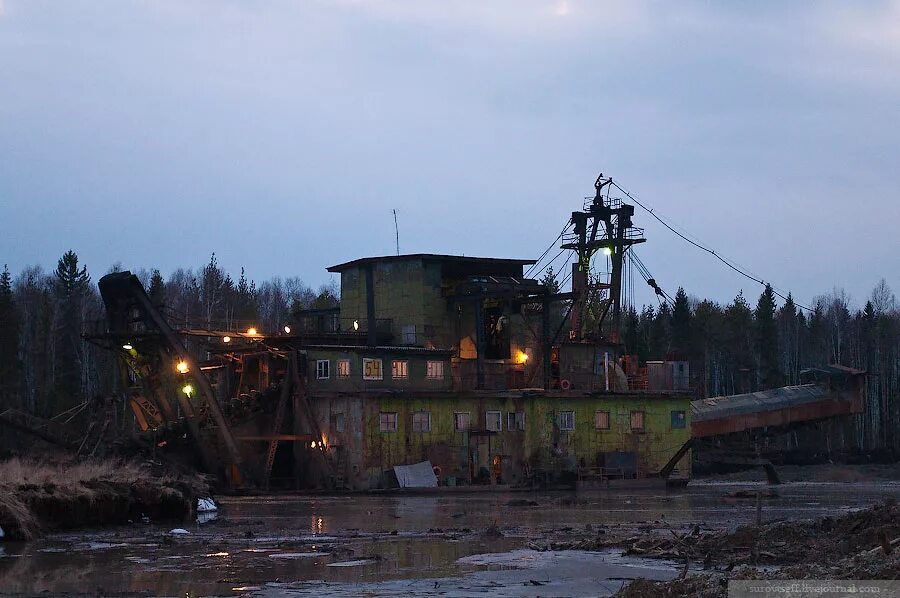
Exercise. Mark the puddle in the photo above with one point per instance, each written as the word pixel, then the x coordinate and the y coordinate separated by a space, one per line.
pixel 396 545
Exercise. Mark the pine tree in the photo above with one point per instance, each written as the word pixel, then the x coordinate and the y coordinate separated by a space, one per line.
pixel 213 284
pixel 681 325
pixel 71 285
pixel 157 290
pixel 737 341
pixel 246 309
pixel 789 340
pixel 10 365
pixel 549 281
pixel 707 331
pixel 766 339
pixel 661 333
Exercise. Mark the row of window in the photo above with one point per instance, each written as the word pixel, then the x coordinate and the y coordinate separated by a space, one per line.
pixel 515 421
pixel 372 369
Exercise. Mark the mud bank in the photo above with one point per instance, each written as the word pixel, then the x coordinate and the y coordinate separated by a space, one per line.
pixel 39 497
pixel 863 544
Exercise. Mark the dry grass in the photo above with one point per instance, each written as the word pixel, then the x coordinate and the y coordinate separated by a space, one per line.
pixel 17 472
pixel 36 495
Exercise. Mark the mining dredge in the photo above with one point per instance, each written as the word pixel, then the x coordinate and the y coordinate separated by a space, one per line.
pixel 489 376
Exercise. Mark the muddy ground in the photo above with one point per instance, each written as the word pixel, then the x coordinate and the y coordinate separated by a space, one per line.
pixel 513 544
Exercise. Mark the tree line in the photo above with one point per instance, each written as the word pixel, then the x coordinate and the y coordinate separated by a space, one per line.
pixel 45 365
pixel 741 347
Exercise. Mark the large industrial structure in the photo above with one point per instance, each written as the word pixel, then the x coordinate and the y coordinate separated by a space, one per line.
pixel 466 363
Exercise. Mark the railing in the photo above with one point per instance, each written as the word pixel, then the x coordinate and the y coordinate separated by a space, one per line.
pixel 333 324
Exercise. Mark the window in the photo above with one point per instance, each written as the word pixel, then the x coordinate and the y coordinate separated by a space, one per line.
pixel 421 421
pixel 399 370
pixel 678 420
pixel 566 420
pixel 408 333
pixel 337 420
pixel 461 421
pixel 601 420
pixel 434 370
pixel 515 421
pixel 493 421
pixel 387 422
pixel 343 368
pixel 322 369
pixel 371 369
pixel 637 421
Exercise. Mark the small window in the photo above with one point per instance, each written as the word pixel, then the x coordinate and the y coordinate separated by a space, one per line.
pixel 461 421
pixel 421 421
pixel 388 422
pixel 566 420
pixel 637 421
pixel 323 370
pixel 371 369
pixel 678 420
pixel 515 421
pixel 434 370
pixel 338 422
pixel 493 421
pixel 601 420
pixel 408 332
pixel 343 368
pixel 399 370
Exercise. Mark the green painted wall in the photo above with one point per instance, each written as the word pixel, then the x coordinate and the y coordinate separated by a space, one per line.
pixel 369 451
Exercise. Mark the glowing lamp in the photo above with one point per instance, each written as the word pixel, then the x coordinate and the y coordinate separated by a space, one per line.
pixel 287 329
pixel 251 331
pixel 127 347
pixel 607 251
pixel 312 444
pixel 187 389
pixel 182 367
pixel 226 339
pixel 521 357
pixel 355 324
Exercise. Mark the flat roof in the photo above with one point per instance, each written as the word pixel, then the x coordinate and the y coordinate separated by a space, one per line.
pixel 433 257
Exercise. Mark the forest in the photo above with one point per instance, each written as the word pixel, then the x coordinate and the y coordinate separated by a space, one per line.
pixel 45 365
pixel 744 346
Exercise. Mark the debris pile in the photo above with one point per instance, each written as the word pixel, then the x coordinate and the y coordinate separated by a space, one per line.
pixel 858 545
pixel 775 543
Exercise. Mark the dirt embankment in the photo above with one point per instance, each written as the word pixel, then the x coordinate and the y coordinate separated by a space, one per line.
pixel 858 545
pixel 38 496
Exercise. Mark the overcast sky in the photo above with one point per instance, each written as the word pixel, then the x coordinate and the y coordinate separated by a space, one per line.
pixel 281 134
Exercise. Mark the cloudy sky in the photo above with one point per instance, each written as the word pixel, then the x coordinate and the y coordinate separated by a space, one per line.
pixel 281 134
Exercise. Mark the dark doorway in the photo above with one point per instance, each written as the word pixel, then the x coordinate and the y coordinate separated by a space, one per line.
pixel 496 333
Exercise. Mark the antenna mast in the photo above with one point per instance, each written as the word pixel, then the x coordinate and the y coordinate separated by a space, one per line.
pixel 396 231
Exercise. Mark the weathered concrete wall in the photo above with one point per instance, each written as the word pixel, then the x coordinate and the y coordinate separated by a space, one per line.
pixel 368 451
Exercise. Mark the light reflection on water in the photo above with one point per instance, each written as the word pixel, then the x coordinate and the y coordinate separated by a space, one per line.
pixel 256 540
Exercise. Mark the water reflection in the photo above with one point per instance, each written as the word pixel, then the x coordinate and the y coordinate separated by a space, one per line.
pixel 374 538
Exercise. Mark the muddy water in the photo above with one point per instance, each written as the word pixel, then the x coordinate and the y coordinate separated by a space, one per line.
pixel 397 545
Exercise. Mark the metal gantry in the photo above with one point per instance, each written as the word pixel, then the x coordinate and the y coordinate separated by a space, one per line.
pixel 604 224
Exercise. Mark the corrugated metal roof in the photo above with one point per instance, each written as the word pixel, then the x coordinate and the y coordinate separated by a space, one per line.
pixel 755 402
